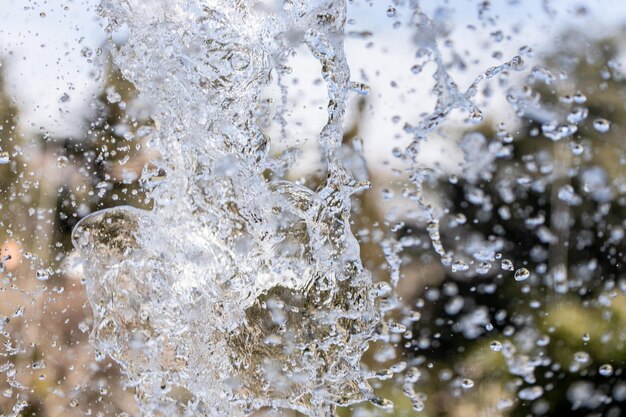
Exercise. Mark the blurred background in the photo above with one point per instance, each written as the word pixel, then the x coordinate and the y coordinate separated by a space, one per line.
pixel 530 319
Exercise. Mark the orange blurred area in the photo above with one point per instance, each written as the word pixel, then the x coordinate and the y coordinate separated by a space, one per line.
pixel 11 254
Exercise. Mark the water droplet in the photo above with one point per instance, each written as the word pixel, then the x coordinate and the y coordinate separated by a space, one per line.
pixel 495 346
pixel 475 117
pixel 62 161
pixel 483 268
pixel 112 95
pixel 459 265
pixel 384 375
pixel 417 405
pixel 382 403
pixel 522 274
pixel 581 357
pixel 577 115
pixel 42 275
pixel 543 340
pixel 504 404
pixel 606 370
pixel 531 393
pixel 391 11
pixel 579 98
pixel 507 265
pixel 396 327
pixel 467 383
pixel 83 327
pixel 5 158
pixel 568 195
pixel 360 88
pixel 19 312
pixel 86 52
pixel 416 69
pixel 412 375
pixel 543 74
pixel 601 125
pixel 576 148
pixel 99 356
pixel 414 316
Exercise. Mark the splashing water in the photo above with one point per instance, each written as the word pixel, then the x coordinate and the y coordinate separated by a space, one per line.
pixel 244 291
pixel 241 289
